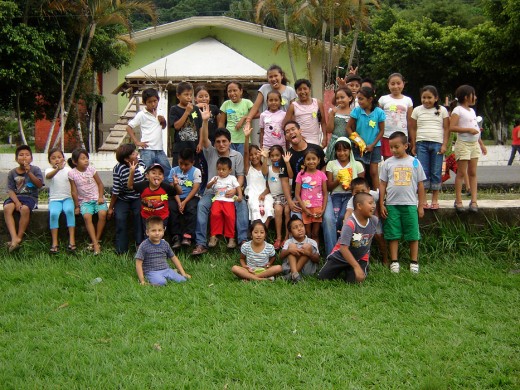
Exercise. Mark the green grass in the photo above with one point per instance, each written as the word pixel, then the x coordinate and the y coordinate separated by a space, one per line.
pixel 455 325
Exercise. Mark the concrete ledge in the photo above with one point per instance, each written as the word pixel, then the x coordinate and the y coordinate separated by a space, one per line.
pixel 504 212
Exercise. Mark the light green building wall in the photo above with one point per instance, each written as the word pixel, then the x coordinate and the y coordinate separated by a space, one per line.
pixel 257 49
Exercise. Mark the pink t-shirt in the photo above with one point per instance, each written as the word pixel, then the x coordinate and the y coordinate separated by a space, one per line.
pixel 271 122
pixel 85 183
pixel 307 117
pixel 312 188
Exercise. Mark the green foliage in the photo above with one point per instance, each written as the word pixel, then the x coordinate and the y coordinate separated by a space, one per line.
pixel 446 12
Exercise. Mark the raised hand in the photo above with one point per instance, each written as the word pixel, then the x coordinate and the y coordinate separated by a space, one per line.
pixel 287 156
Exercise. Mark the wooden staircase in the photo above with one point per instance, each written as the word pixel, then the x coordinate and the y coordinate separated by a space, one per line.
pixel 118 133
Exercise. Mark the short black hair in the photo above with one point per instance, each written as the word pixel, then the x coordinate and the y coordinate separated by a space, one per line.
pixel 358 181
pixel 298 83
pixel 183 86
pixel 224 161
pixel 54 150
pixel 22 147
pixel 360 198
pixel 154 219
pixel 222 131
pixel 353 77
pixel 400 135
pixel 291 123
pixel 124 151
pixel 148 93
pixel 257 222
pixel 187 155
pixel 293 219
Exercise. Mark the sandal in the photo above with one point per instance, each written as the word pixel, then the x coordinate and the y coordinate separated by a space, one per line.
pixel 54 250
pixel 458 206
pixel 71 248
pixel 426 206
pixel 473 206
pixel 434 206
pixel 277 244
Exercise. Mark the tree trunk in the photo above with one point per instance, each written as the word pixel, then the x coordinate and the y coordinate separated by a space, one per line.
pixel 331 46
pixel 19 118
pixel 352 50
pixel 323 53
pixel 92 125
pixel 340 36
pixel 289 46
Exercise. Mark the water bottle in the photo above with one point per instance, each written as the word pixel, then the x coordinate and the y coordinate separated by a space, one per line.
pixel 262 208
pixel 96 281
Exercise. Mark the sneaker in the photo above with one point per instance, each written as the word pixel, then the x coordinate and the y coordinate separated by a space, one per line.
pixel 212 242
pixel 176 242
pixel 414 267
pixel 394 267
pixel 199 250
pixel 232 243
pixel 186 242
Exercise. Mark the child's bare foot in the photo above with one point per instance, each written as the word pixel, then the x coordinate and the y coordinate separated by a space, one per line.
pixel 15 244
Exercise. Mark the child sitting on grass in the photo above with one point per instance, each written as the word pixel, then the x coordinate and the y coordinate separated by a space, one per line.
pixel 150 259
pixel 401 178
pixel 258 256
pixel 22 187
pixel 349 258
pixel 222 214
pixel 299 253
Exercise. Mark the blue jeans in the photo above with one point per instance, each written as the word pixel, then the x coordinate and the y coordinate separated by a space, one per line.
pixel 328 225
pixel 159 278
pixel 514 149
pixel 55 209
pixel 150 157
pixel 431 161
pixel 239 148
pixel 122 210
pixel 339 204
pixel 203 208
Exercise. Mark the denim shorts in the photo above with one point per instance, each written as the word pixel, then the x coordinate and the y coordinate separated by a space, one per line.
pixel 373 157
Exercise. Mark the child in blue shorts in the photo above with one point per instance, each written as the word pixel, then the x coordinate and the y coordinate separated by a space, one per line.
pixel 401 178
pixel 151 257
pixel 22 187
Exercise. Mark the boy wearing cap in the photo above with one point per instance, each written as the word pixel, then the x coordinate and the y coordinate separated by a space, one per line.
pixel 154 192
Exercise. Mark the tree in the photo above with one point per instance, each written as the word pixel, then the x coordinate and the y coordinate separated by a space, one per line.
pixel 279 10
pixel 93 14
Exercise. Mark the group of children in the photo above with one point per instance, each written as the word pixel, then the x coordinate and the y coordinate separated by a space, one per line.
pixel 161 198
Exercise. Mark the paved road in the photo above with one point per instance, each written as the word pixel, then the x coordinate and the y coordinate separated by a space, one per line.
pixel 487 176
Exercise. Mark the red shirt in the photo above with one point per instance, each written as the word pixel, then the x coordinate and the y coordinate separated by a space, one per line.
pixel 154 202
pixel 516 138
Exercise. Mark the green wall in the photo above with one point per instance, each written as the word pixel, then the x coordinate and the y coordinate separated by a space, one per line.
pixel 257 49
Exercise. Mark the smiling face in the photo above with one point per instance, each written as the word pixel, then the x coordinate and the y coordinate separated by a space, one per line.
pixel 367 207
pixel 311 161
pixel 234 93
pixel 297 230
pixel 396 86
pixel 274 77
pixel 304 93
pixel 56 159
pixel 258 234
pixel 273 102
pixel 202 97
pixel 342 154
pixel 155 232
pixel 293 134
pixel 428 99
pixel 222 144
pixel 155 176
pixel 255 157
pixel 275 155
pixel 342 99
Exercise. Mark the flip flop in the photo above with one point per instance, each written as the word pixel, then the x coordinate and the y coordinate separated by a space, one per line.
pixel 54 250
pixel 426 206
pixel 434 206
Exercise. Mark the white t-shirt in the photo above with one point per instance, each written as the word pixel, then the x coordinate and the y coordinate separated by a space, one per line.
pixel 151 129
pixel 395 110
pixel 59 185
pixel 467 119
pixel 430 123
pixel 223 185
pixel 375 195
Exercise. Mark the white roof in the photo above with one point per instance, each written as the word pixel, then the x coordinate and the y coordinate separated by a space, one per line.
pixel 206 59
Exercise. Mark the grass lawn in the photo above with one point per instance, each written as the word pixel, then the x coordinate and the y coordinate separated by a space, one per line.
pixel 455 325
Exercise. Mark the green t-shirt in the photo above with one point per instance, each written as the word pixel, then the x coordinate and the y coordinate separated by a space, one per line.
pixel 234 112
